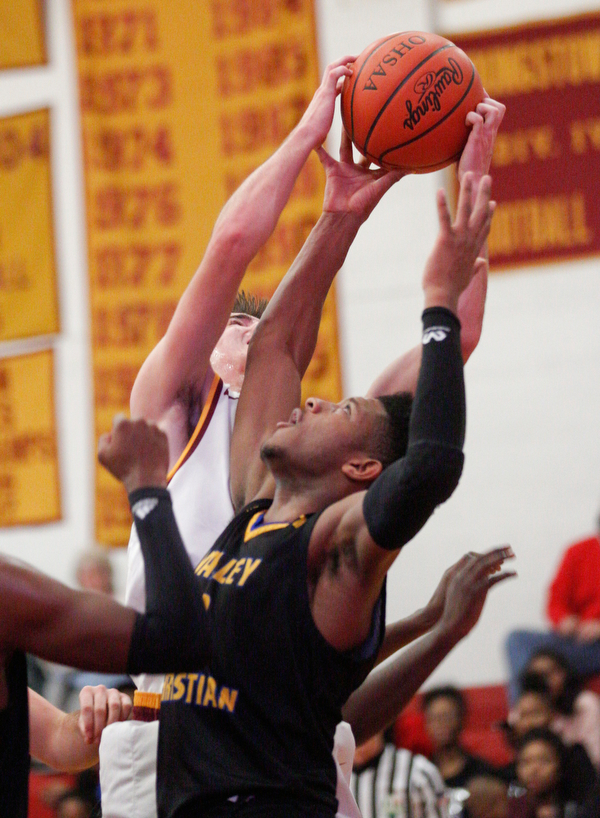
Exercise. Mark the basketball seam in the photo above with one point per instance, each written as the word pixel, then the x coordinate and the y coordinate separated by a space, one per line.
pixel 368 57
pixel 398 87
pixel 439 122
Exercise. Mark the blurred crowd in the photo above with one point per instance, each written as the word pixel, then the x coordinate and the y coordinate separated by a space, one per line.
pixel 541 760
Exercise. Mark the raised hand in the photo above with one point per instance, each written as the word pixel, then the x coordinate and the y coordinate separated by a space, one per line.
pixel 454 259
pixel 319 115
pixel 468 589
pixel 353 187
pixel 484 121
pixel 136 453
pixel 100 707
pixel 435 607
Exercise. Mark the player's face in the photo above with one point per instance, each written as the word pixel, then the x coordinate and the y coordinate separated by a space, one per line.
pixel 228 358
pixel 323 436
pixel 538 768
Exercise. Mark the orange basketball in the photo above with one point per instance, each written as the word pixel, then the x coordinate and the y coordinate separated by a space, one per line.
pixel 404 106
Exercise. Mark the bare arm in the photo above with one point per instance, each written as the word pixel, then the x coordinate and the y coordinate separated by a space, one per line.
pixel 47 619
pixel 181 358
pixel 285 339
pixel 55 737
pixel 402 374
pixel 379 700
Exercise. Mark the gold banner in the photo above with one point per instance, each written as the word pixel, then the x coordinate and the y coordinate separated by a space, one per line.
pixel 28 300
pixel 180 102
pixel 21 34
pixel 29 474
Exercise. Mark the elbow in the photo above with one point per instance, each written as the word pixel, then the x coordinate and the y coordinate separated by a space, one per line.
pixel 446 470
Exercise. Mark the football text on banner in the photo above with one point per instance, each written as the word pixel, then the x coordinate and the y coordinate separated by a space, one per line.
pixel 547 156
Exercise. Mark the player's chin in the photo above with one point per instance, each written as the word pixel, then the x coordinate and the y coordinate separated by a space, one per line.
pixel 271 450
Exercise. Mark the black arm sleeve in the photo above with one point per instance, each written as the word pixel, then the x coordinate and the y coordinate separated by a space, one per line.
pixel 402 499
pixel 173 634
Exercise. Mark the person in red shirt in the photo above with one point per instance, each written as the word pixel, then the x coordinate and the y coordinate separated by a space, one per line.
pixel 574 612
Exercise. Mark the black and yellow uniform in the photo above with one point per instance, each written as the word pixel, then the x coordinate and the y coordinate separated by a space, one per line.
pixel 258 721
pixel 255 718
pixel 14 741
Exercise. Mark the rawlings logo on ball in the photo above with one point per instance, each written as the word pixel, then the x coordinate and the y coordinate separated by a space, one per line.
pixel 430 87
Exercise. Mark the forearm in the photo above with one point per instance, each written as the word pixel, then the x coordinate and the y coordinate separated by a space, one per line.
pixel 292 318
pixel 389 688
pixel 402 633
pixel 55 738
pixel 68 752
pixel 405 495
pixel 253 210
pixel 172 634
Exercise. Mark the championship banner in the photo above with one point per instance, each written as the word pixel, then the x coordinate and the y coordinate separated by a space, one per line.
pixel 29 473
pixel 546 162
pixel 180 102
pixel 28 296
pixel 22 34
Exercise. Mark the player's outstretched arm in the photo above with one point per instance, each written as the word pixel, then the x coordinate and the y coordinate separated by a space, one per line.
pixel 170 635
pixel 379 700
pixel 181 359
pixel 56 737
pixel 285 339
pixel 365 531
pixel 402 374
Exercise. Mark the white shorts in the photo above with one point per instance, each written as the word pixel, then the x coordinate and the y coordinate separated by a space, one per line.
pixel 128 769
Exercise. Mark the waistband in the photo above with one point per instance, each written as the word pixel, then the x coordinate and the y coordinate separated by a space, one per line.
pixel 146 706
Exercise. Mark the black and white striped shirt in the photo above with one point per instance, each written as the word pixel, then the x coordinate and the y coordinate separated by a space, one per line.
pixel 399 784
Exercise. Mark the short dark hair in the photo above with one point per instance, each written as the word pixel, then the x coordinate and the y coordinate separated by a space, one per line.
pixel 565 701
pixel 250 304
pixel 446 692
pixel 548 736
pixel 390 440
pixel 536 683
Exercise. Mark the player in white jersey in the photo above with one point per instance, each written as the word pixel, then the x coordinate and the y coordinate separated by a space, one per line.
pixel 178 381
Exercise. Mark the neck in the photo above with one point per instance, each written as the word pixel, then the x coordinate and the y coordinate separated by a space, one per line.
pixel 295 497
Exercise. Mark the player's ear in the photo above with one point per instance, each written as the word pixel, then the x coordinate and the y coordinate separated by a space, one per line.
pixel 362 469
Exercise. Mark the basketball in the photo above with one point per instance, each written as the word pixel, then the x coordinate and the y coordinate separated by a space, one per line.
pixel 404 106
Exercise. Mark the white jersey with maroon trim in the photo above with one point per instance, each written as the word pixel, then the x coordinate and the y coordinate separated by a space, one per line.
pixel 199 487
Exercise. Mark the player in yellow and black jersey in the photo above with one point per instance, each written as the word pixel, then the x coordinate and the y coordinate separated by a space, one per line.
pixel 293 598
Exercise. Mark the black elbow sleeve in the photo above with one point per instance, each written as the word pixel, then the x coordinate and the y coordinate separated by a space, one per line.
pixel 405 495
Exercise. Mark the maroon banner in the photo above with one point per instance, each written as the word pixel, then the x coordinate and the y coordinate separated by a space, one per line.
pixel 546 163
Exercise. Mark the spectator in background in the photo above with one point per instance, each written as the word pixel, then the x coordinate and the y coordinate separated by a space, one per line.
pixel 488 798
pixel 73 805
pixel 444 711
pixel 534 711
pixel 574 612
pixel 387 781
pixel 93 572
pixel 541 774
pixel 577 711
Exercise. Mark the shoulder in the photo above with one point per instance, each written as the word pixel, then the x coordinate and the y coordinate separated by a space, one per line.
pixel 583 548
